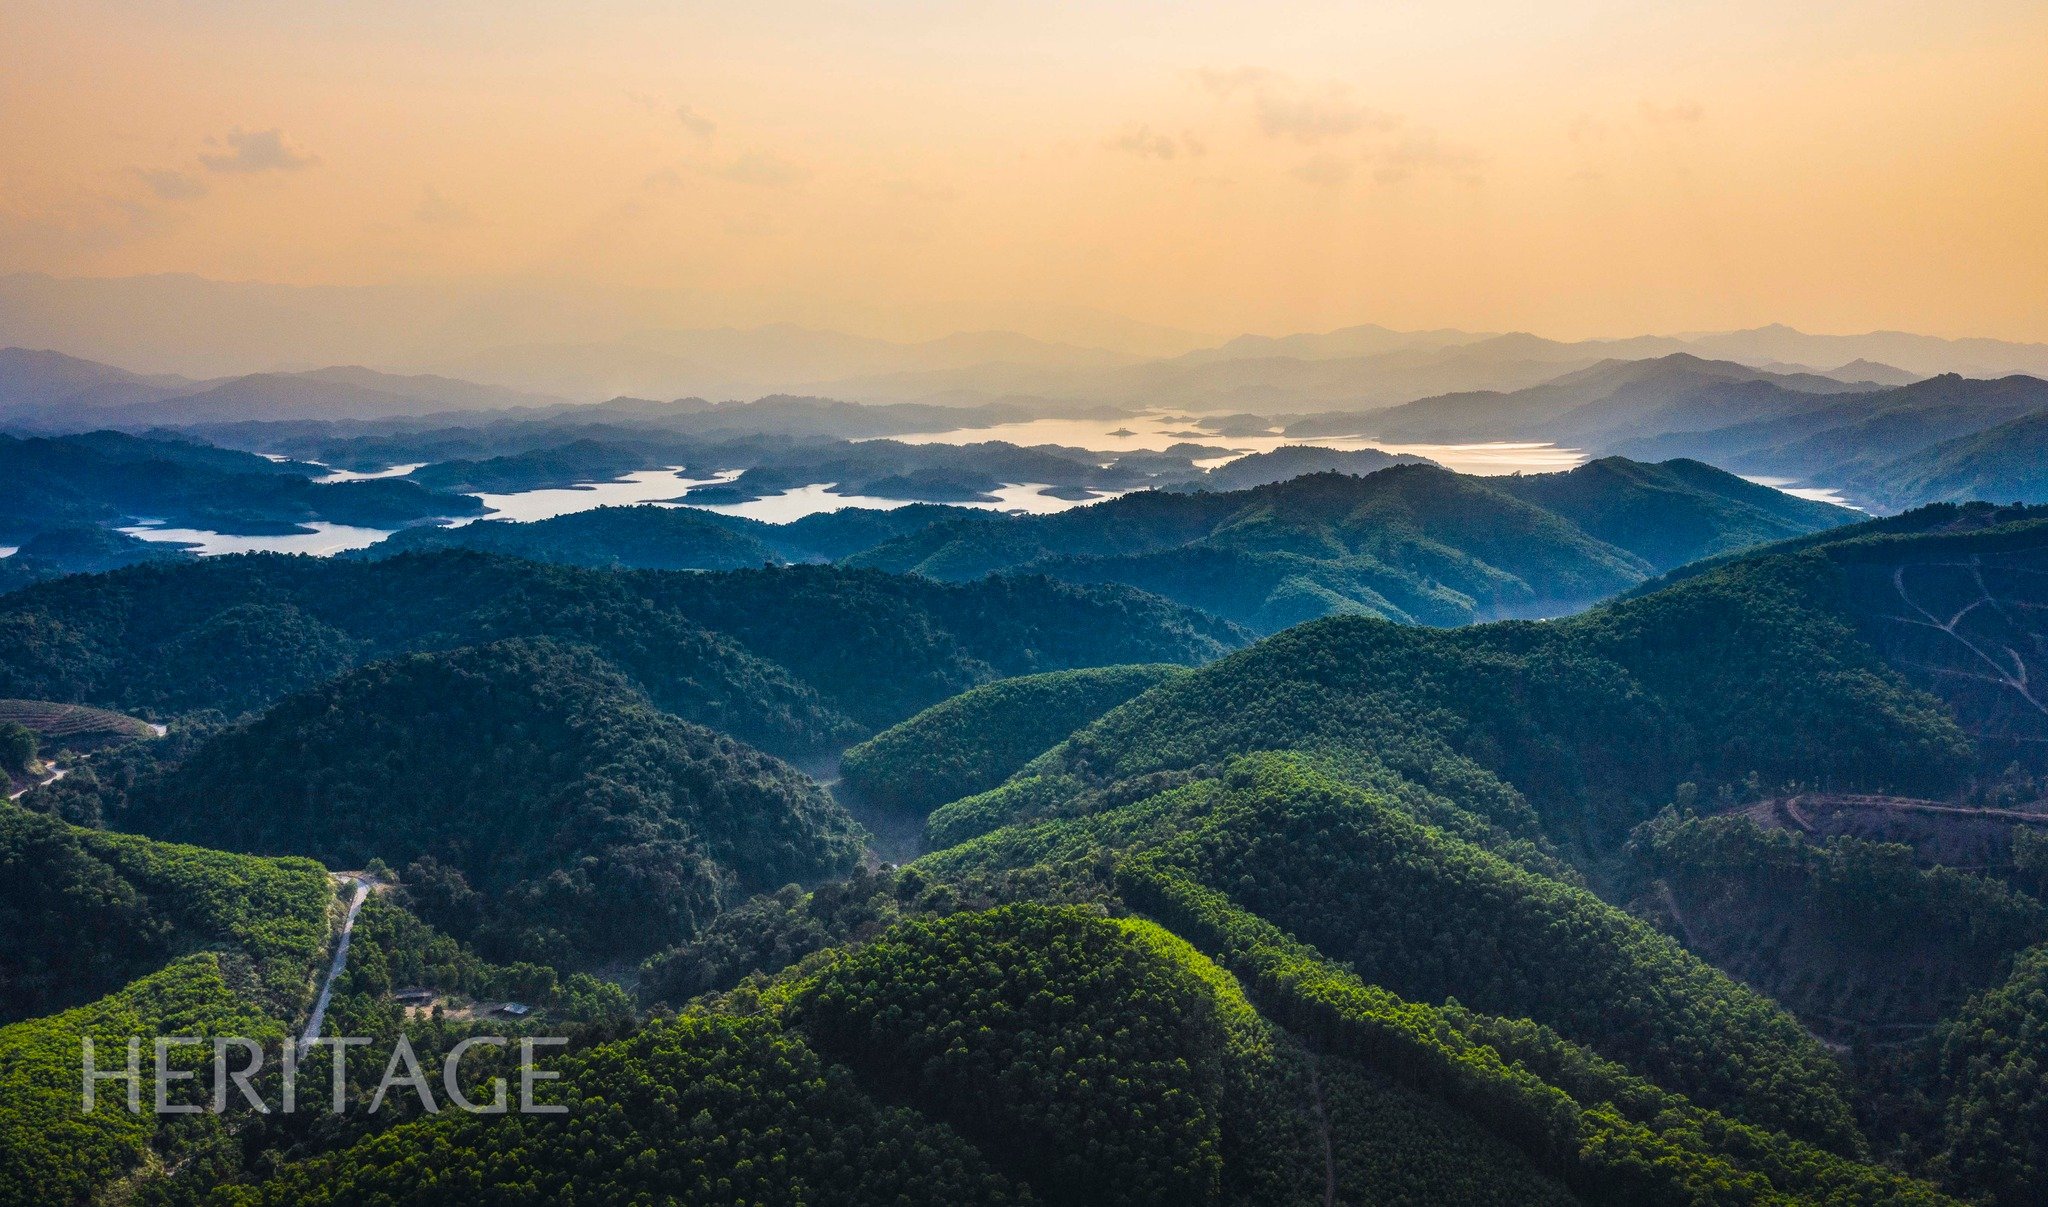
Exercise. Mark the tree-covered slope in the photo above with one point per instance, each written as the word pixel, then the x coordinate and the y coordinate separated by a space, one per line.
pixel 979 738
pixel 2006 464
pixel 1594 720
pixel 639 538
pixel 80 549
pixel 882 647
pixel 109 936
pixel 102 477
pixel 83 912
pixel 1029 1054
pixel 569 818
pixel 1431 918
pixel 1990 1088
pixel 698 1110
pixel 740 652
pixel 1673 512
pixel 1857 938
pixel 1410 543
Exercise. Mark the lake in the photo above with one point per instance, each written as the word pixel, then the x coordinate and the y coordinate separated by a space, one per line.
pixel 1128 434
pixel 1161 430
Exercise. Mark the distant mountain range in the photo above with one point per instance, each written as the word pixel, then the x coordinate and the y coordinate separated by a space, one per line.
pixel 1412 542
pixel 46 390
pixel 583 347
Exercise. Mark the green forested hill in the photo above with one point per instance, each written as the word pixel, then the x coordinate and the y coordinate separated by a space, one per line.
pixel 1594 720
pixel 1847 931
pixel 649 537
pixel 977 739
pixel 1672 512
pixel 640 538
pixel 1061 1054
pixel 112 935
pixel 102 477
pixel 692 1111
pixel 1353 873
pixel 83 912
pixel 738 652
pixel 1366 912
pixel 2003 464
pixel 1411 543
pixel 561 815
pixel 1414 543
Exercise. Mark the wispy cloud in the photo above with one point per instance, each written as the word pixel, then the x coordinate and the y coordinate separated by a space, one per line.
pixel 169 185
pixel 256 151
pixel 1318 117
pixel 691 118
pixel 1284 108
pixel 695 122
pixel 1147 143
pixel 1421 152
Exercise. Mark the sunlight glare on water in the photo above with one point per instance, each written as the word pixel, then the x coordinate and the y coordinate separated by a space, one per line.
pixel 1158 431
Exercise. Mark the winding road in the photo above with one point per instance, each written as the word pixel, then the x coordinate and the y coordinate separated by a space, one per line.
pixel 56 773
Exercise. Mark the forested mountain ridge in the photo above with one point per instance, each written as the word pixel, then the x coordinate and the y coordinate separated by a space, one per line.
pixel 109 936
pixel 1880 446
pixel 104 477
pixel 1412 543
pixel 1366 911
pixel 1594 719
pixel 585 823
pixel 1951 597
pixel 977 739
pixel 728 651
pixel 1080 1057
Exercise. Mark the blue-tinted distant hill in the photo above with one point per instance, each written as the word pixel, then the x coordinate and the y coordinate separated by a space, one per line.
pixel 108 477
pixel 1412 543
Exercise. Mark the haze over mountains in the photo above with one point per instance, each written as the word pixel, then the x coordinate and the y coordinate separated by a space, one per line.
pixel 1280 822
pixel 585 349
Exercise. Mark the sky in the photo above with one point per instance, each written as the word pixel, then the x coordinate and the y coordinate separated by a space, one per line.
pixel 1575 168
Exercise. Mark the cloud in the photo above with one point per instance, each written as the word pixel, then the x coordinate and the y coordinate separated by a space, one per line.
pixel 1284 109
pixel 169 185
pixel 1323 171
pixel 759 169
pixel 1420 152
pixel 437 211
pixel 695 122
pixel 1317 117
pixel 1146 143
pixel 1685 113
pixel 256 151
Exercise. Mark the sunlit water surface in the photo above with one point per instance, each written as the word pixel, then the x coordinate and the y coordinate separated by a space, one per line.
pixel 1160 430
pixel 1137 433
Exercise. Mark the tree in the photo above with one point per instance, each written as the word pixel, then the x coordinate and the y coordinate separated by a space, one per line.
pixel 17 747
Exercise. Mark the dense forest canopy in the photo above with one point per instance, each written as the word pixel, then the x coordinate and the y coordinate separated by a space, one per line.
pixel 584 823
pixel 729 651
pixel 1522 912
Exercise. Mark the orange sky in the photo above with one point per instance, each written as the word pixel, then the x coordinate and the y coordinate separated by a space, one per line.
pixel 1575 167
